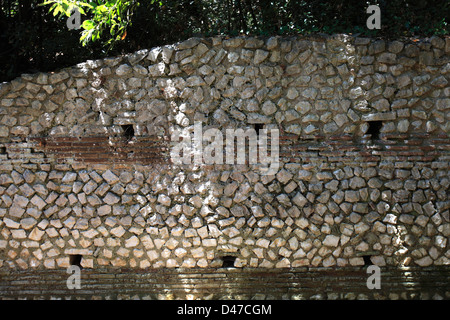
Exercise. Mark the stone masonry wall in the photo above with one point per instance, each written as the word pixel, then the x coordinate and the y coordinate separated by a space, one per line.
pixel 85 168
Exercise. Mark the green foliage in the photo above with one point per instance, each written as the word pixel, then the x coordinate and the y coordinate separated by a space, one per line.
pixel 259 17
pixel 35 35
pixel 104 15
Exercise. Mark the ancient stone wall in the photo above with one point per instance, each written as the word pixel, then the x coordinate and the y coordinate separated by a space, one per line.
pixel 364 157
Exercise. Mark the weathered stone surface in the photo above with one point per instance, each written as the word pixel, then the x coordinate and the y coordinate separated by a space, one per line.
pixel 260 56
pixel 111 198
pixel 104 210
pixel 337 193
pixel 123 70
pixel 110 177
pixel 388 58
pixel 379 116
pixel 331 241
pixel 118 231
pixel 424 262
pixel 58 77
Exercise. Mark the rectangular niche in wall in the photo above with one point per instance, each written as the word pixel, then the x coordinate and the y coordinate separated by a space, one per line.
pixel 128 131
pixel 228 261
pixel 258 126
pixel 374 129
pixel 75 260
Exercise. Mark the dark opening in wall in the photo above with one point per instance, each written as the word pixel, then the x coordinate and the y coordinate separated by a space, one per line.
pixel 75 260
pixel 367 261
pixel 128 131
pixel 2 150
pixel 228 261
pixel 258 126
pixel 374 129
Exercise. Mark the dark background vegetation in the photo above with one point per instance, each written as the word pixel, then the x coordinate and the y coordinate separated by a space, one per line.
pixel 32 39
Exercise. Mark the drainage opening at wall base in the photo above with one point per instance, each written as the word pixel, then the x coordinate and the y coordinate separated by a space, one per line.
pixel 228 261
pixel 374 129
pixel 128 131
pixel 75 260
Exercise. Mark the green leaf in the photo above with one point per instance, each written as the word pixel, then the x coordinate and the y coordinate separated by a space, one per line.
pixel 64 8
pixel 45 3
pixel 56 11
pixel 85 37
pixel 88 24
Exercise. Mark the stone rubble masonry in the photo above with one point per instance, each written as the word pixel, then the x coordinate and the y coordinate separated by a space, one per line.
pixel 84 166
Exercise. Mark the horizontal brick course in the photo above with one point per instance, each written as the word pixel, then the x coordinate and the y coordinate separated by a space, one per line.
pixel 307 283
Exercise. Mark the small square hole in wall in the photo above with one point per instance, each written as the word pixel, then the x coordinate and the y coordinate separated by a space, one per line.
pixel 367 260
pixel 128 131
pixel 228 261
pixel 374 129
pixel 2 150
pixel 75 260
pixel 258 126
